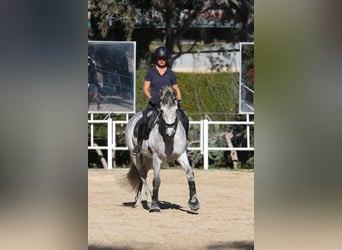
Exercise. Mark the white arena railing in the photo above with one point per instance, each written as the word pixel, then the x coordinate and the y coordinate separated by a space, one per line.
pixel 204 147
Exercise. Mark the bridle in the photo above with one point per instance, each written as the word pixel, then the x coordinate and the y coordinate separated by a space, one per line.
pixel 167 126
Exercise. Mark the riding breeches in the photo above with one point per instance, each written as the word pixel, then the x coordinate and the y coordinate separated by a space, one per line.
pixel 149 115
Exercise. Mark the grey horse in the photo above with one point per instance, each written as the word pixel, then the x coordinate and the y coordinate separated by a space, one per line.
pixel 166 142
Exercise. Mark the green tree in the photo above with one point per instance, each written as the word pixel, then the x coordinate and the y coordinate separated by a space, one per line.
pixel 140 20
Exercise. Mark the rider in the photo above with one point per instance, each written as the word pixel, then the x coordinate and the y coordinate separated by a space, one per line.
pixel 157 77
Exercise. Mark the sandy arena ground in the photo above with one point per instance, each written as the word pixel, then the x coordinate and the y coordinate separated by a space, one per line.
pixel 225 219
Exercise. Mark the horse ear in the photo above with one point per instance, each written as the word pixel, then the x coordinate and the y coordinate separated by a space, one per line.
pixel 161 91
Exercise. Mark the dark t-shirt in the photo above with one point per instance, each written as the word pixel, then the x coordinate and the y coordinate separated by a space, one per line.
pixel 158 81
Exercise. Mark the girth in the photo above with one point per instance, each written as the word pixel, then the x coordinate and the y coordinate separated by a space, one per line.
pixel 164 126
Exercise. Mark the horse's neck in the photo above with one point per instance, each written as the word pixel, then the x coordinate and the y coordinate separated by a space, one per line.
pixel 169 115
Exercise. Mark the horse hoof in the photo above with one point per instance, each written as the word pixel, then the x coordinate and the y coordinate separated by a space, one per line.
pixel 154 206
pixel 154 209
pixel 194 206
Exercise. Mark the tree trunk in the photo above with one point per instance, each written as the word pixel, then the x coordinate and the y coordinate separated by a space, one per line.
pixel 103 160
pixel 233 153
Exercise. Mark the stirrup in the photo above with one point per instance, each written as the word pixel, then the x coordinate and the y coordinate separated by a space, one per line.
pixel 136 150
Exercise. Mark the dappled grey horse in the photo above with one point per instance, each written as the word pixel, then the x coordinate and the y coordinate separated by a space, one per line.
pixel 167 142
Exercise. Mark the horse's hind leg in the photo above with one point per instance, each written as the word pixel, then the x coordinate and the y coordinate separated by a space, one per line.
pixel 147 167
pixel 138 195
pixel 146 188
pixel 193 201
pixel 142 183
pixel 143 170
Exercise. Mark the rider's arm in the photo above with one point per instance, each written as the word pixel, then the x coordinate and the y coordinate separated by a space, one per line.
pixel 146 89
pixel 179 95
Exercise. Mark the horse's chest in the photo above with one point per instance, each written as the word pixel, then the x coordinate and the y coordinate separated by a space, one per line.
pixel 167 147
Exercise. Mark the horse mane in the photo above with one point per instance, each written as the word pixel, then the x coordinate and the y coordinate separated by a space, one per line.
pixel 169 111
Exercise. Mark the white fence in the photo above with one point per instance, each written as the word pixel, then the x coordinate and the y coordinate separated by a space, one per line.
pixel 204 137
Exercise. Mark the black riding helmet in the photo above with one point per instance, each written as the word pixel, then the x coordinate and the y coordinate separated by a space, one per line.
pixel 162 52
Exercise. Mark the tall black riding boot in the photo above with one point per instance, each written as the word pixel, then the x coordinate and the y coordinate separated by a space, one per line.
pixel 186 127
pixel 185 123
pixel 141 133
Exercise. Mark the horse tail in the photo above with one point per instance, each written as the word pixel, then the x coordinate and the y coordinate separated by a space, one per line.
pixel 133 177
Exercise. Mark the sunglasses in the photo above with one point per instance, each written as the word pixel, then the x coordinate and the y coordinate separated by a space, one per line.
pixel 161 58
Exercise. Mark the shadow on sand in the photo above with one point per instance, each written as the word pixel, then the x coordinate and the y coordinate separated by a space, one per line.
pixel 236 245
pixel 232 245
pixel 92 247
pixel 164 205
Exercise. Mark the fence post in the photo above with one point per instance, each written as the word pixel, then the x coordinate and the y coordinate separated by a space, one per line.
pixel 114 144
pixel 205 144
pixel 110 144
pixel 248 133
pixel 91 130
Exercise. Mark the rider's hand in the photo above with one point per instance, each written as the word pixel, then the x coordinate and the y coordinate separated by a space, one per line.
pixel 179 102
pixel 153 102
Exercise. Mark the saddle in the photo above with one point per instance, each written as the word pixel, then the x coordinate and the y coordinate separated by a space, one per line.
pixel 152 119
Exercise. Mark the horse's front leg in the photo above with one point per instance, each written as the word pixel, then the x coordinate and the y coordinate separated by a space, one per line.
pixel 156 184
pixel 193 202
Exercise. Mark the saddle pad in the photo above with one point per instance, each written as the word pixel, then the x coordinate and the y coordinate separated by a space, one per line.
pixel 150 124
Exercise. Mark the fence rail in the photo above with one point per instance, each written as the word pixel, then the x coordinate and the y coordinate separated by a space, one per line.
pixel 204 147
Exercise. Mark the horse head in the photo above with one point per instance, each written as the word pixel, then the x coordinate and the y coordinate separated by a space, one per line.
pixel 169 109
pixel 168 97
